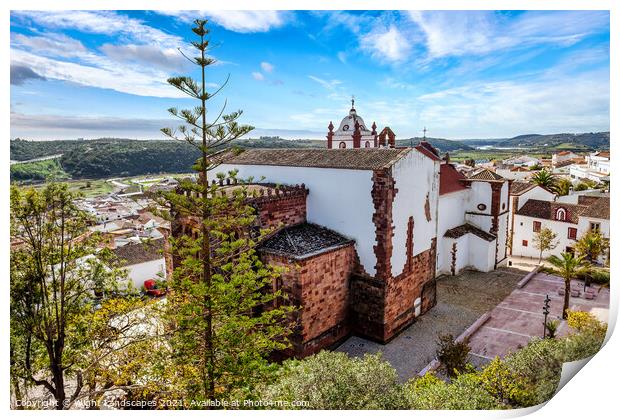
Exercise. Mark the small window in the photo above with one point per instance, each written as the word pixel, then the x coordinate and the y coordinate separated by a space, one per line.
pixel 367 144
pixel 536 227
pixel 503 206
pixel 342 145
pixel 595 227
pixel 482 207
pixel 560 214
pixel 572 233
pixel 524 243
pixel 345 127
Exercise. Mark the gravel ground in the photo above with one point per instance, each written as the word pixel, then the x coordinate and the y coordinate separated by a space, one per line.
pixel 460 301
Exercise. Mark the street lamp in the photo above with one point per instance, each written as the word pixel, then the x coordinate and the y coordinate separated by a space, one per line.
pixel 545 312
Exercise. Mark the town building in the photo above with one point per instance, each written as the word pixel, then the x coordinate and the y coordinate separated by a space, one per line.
pixel 564 156
pixel 569 221
pixel 596 168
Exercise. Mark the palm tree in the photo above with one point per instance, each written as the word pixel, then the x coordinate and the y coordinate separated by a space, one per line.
pixel 562 186
pixel 544 178
pixel 568 266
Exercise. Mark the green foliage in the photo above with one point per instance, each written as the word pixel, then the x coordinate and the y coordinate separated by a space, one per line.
pixel 453 355
pixel 544 178
pixel 545 240
pixel 563 186
pixel 589 337
pixel 334 381
pixel 506 385
pixel 49 170
pixel 568 267
pixel 58 332
pixel 591 245
pixel 465 392
pixel 224 316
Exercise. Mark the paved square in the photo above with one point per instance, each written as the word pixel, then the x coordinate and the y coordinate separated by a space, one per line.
pixel 461 300
pixel 519 318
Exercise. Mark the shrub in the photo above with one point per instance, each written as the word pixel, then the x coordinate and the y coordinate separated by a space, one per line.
pixel 463 393
pixel 453 355
pixel 332 380
pixel 507 386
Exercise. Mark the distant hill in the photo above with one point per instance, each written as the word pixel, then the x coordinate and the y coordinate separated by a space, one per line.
pixel 564 140
pixel 443 145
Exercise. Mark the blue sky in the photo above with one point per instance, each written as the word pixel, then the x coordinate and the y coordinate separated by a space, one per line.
pixel 462 74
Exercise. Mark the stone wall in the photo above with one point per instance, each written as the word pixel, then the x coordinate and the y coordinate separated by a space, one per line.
pixel 281 211
pixel 319 286
pixel 383 306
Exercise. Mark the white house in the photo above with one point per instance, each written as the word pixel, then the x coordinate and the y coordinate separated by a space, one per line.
pixel 568 221
pixel 596 168
pixel 143 261
pixel 564 156
pixel 524 161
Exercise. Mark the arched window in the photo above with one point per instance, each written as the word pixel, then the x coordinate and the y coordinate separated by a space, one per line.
pixel 560 214
pixel 367 144
pixel 342 145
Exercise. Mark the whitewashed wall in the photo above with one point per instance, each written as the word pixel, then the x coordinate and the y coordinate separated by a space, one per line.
pixel 339 199
pixel 138 273
pixel 451 214
pixel 524 230
pixel 416 176
pixel 481 253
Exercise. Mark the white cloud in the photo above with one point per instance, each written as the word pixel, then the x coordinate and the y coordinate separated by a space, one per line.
pixel 50 44
pixel 390 45
pixel 267 67
pixel 507 108
pixel 457 33
pixel 327 84
pixel 102 73
pixel 244 21
pixel 102 22
pixel 165 58
pixel 258 75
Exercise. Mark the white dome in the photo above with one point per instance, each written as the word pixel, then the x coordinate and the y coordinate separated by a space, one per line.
pixel 347 126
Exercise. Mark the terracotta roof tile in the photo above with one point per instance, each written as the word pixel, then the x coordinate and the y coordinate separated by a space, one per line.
pixel 520 187
pixel 365 159
pixel 131 254
pixel 485 175
pixel 547 210
pixel 598 207
pixel 304 240
pixel 466 228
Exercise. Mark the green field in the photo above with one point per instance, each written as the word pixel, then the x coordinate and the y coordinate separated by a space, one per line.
pixel 38 171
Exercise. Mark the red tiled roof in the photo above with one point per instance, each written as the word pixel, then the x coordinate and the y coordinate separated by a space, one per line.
pixel 597 207
pixel 546 210
pixel 316 158
pixel 466 228
pixel 520 187
pixel 485 175
pixel 426 151
pixel 450 180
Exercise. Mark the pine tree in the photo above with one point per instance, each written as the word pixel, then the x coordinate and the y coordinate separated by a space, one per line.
pixel 221 309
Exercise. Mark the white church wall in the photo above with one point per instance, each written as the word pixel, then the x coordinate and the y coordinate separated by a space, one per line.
pixel 416 176
pixel 451 214
pixel 339 199
pixel 481 253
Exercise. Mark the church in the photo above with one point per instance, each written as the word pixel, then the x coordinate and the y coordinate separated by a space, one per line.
pixel 364 227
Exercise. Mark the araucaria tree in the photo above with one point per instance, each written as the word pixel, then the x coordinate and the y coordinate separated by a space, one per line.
pixel 545 240
pixel 222 314
pixel 67 328
pixel 568 267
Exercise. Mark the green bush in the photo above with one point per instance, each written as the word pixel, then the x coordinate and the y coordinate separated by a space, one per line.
pixel 464 393
pixel 332 380
pixel 452 355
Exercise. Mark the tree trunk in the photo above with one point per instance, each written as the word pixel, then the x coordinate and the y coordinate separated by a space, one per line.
pixel 566 298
